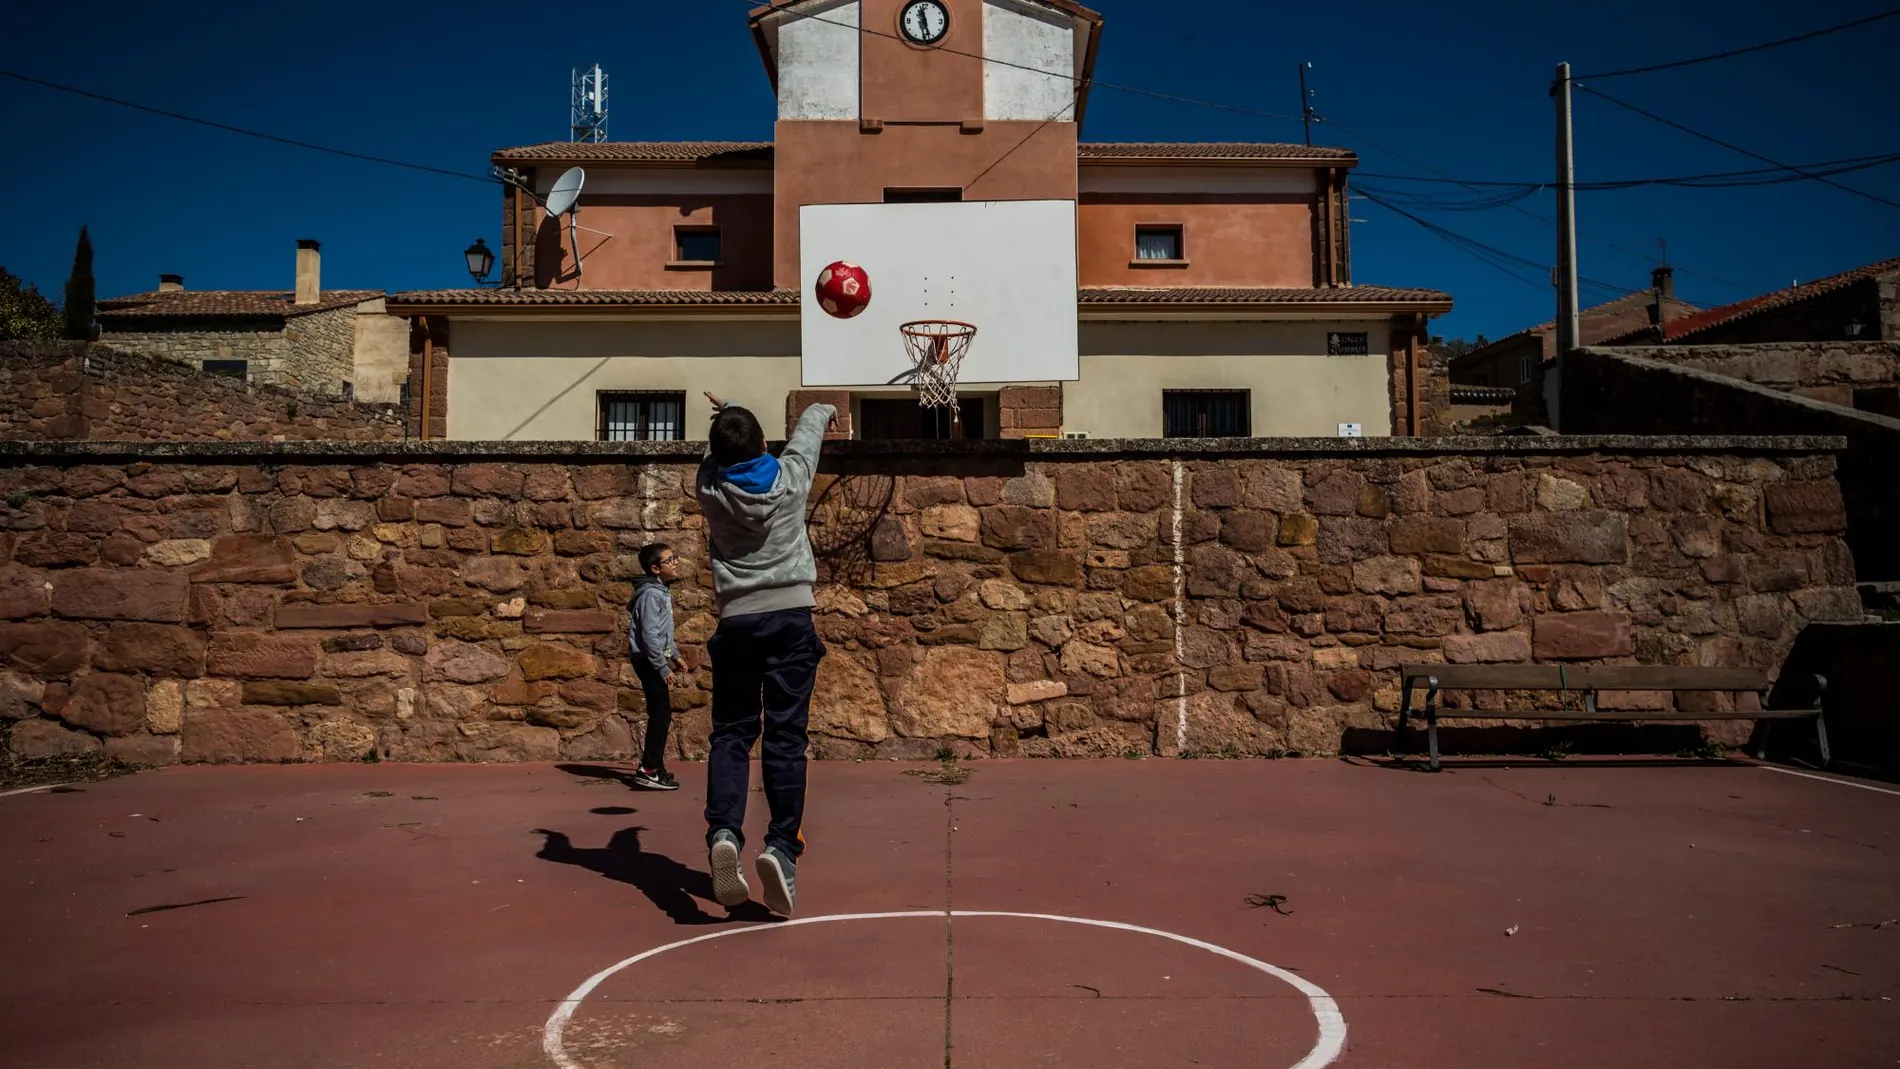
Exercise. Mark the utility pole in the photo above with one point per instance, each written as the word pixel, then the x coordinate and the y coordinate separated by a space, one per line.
pixel 1566 272
pixel 1306 104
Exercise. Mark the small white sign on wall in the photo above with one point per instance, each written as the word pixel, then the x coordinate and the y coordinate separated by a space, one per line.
pixel 1350 430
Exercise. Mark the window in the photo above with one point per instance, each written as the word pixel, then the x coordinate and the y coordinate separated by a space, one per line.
pixel 922 195
pixel 1346 343
pixel 1159 243
pixel 644 416
pixel 883 418
pixel 1206 413
pixel 1524 368
pixel 233 369
pixel 696 244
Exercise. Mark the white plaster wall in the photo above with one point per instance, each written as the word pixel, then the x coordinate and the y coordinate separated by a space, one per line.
pixel 1297 390
pixel 1032 36
pixel 381 354
pixel 537 381
pixel 818 62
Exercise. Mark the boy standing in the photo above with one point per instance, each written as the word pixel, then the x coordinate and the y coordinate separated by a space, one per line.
pixel 655 658
pixel 765 652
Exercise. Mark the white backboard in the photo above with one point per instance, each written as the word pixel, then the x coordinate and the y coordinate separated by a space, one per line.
pixel 1006 266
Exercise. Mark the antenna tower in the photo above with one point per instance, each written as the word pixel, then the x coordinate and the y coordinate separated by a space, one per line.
pixel 587 104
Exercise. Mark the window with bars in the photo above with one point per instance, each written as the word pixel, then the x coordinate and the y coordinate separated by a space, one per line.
pixel 1159 243
pixel 1206 413
pixel 642 416
pixel 884 418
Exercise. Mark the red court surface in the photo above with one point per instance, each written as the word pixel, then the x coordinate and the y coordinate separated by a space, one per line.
pixel 1535 916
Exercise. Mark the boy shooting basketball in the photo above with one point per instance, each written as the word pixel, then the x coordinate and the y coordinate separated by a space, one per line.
pixel 765 652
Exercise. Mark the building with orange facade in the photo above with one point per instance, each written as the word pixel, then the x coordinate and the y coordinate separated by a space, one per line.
pixel 1214 290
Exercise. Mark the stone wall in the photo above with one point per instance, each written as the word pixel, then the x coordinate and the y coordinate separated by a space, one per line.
pixel 262 350
pixel 319 352
pixel 1617 391
pixel 1824 371
pixel 466 601
pixel 66 392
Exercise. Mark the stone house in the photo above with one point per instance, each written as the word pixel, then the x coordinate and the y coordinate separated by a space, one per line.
pixel 1517 359
pixel 1215 293
pixel 1836 339
pixel 336 343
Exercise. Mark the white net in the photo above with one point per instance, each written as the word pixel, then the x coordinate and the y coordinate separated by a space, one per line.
pixel 936 348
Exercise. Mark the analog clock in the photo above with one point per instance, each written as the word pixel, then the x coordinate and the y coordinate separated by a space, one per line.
pixel 924 22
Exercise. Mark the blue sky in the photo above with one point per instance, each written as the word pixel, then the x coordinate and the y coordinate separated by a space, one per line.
pixel 1460 86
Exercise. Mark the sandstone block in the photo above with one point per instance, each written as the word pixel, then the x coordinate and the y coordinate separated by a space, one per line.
pixel 1033 490
pixel 283 693
pixel 1018 527
pixel 446 511
pixel 503 575
pixel 178 652
pixel 1580 636
pixel 176 552
pixel 1299 529
pixel 47 648
pixel 1038 690
pixel 568 622
pixel 460 662
pixel 106 703
pixel 366 663
pixel 847 702
pixel 165 707
pixel 1086 658
pixel 1050 567
pixel 1004 631
pixel 252 655
pixel 1426 534
pixel 44 738
pixel 1810 507
pixel 555 662
pixel 148 751
pixel 1556 494
pixel 1387 575
pixel 1581 537
pixel 401 614
pixel 1496 647
pixel 24 592
pixel 889 540
pixel 954 691
pixel 1496 605
pixel 121 594
pixel 1086 488
pixel 238 735
pixel 519 541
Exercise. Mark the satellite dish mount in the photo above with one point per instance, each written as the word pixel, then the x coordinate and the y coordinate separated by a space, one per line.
pixel 564 199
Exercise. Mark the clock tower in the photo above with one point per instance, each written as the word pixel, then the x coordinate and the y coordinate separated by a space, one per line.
pixel 905 100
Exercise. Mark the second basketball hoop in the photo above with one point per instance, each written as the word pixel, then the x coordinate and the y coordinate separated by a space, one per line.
pixel 936 348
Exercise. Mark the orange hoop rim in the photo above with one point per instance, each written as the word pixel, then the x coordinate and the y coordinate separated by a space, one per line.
pixel 918 328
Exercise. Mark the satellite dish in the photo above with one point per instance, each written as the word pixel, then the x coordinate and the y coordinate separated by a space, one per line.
pixel 566 192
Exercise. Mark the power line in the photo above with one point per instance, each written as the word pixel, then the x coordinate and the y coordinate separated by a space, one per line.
pixel 1736 148
pixel 1764 46
pixel 1709 180
pixel 228 128
pixel 1508 262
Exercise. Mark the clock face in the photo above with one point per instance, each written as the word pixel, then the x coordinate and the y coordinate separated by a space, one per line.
pixel 924 21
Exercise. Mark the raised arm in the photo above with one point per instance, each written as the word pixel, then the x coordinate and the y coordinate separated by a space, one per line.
pixel 801 450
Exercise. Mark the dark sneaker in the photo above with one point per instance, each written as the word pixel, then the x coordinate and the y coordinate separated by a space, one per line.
pixel 778 880
pixel 729 886
pixel 660 780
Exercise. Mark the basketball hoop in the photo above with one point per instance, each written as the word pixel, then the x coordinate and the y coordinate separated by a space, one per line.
pixel 936 348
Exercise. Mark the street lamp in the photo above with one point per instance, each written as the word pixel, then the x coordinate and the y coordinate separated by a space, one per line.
pixel 480 260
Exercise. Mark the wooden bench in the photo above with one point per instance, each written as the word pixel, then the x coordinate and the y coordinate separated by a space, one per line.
pixel 1591 679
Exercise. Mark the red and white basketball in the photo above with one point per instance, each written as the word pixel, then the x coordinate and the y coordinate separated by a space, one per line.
pixel 843 290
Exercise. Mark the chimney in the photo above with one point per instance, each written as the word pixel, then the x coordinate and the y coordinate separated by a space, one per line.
pixel 309 271
pixel 170 283
pixel 1662 282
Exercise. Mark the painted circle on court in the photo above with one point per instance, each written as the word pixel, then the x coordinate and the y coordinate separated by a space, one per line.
pixel 1327 1047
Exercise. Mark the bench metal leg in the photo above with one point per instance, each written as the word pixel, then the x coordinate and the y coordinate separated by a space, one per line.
pixel 1820 721
pixel 1431 723
pixel 1405 710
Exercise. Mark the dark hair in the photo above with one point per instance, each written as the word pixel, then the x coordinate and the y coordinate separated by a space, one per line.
pixel 736 436
pixel 650 556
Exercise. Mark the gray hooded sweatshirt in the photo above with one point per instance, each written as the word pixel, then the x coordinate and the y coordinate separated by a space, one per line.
pixel 761 556
pixel 651 636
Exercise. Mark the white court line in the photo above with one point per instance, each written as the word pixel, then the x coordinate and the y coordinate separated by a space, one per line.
pixel 1332 1025
pixel 1829 779
pixel 31 790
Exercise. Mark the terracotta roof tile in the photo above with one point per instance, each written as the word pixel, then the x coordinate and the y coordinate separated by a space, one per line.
pixel 1209 150
pixel 1175 295
pixel 225 304
pixel 733 152
pixel 760 152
